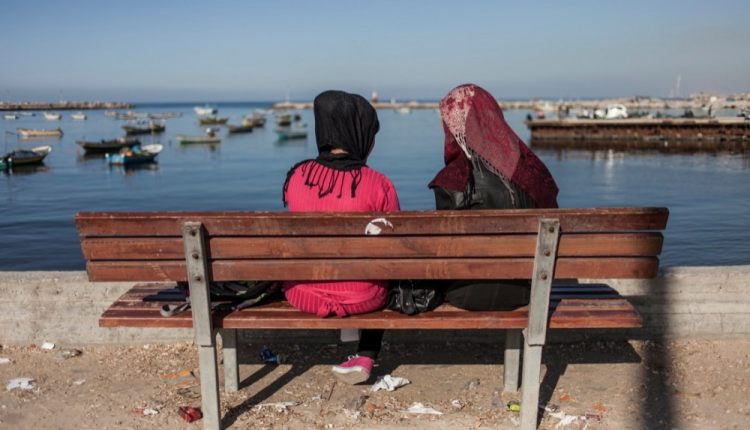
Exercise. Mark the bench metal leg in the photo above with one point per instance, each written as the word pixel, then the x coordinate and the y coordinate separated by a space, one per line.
pixel 532 367
pixel 536 332
pixel 196 259
pixel 231 366
pixel 209 387
pixel 512 360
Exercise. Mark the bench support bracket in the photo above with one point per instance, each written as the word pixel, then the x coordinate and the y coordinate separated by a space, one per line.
pixel 536 332
pixel 196 259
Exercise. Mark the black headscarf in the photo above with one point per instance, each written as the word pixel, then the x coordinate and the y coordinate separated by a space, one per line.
pixel 345 121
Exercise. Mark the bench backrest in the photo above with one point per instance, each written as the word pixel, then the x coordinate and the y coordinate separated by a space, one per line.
pixel 481 244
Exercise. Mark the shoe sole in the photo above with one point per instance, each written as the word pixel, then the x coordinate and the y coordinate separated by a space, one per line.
pixel 353 375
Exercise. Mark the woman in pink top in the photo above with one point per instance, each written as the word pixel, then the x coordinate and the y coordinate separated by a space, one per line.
pixel 339 180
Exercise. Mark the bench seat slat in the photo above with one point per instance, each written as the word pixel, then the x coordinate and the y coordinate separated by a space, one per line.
pixel 164 224
pixel 511 245
pixel 567 311
pixel 457 268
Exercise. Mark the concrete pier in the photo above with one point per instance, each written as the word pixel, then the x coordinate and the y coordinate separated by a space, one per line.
pixel 63 307
pixel 678 134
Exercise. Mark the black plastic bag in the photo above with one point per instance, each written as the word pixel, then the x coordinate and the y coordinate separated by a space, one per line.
pixel 409 297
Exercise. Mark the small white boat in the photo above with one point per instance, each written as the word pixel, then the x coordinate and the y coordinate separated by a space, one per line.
pixel 404 110
pixel 78 116
pixel 52 116
pixel 11 116
pixel 31 132
pixel 205 110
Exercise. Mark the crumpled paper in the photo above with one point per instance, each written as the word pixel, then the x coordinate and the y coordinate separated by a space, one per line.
pixel 419 408
pixel 20 383
pixel 389 383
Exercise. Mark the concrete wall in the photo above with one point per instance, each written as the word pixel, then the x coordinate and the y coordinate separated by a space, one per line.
pixel 63 307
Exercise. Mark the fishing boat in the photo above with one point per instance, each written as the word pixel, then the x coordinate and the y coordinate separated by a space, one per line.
pixel 205 110
pixel 144 127
pixel 78 116
pixel 132 115
pixel 11 116
pixel 52 116
pixel 165 115
pixel 110 114
pixel 283 119
pixel 244 128
pixel 212 120
pixel 256 120
pixel 108 146
pixel 209 137
pixel 289 133
pixel 27 133
pixel 135 155
pixel 21 157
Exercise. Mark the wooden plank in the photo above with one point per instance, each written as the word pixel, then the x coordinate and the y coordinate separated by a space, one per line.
pixel 458 268
pixel 258 319
pixel 511 245
pixel 569 312
pixel 146 224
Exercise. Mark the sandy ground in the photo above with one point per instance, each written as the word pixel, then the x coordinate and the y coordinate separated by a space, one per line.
pixel 695 384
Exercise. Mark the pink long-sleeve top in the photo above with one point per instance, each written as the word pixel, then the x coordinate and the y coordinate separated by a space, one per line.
pixel 375 192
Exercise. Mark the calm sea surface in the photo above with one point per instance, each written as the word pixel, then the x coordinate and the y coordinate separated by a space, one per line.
pixel 708 195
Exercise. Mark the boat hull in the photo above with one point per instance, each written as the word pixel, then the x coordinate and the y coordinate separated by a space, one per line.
pixel 133 130
pixel 197 139
pixel 104 146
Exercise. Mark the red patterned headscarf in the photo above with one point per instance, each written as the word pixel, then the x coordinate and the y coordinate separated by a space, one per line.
pixel 474 126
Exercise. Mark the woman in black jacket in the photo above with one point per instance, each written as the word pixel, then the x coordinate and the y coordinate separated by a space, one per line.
pixel 487 166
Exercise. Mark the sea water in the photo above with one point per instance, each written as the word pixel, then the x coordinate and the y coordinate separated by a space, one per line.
pixel 708 194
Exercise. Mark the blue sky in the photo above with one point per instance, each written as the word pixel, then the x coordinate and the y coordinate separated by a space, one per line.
pixel 261 50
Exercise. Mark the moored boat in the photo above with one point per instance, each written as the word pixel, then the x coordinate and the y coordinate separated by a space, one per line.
pixel 256 120
pixel 244 128
pixel 52 116
pixel 21 157
pixel 78 116
pixel 212 120
pixel 207 138
pixel 283 119
pixel 108 146
pixel 289 133
pixel 144 127
pixel 11 116
pixel 165 115
pixel 32 132
pixel 135 155
pixel 205 110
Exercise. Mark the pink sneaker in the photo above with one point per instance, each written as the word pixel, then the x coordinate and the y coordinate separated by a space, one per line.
pixel 354 370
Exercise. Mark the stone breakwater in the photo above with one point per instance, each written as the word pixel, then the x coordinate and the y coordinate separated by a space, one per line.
pixel 62 105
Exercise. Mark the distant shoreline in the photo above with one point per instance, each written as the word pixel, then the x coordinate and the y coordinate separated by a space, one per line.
pixel 63 105
pixel 631 103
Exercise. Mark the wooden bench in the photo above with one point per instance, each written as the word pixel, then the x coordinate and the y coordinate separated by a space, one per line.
pixel 539 245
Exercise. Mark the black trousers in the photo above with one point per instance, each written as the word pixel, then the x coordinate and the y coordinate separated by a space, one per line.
pixel 370 341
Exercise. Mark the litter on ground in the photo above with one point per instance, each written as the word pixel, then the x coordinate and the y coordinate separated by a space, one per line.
pixel 389 383
pixel 20 383
pixel 419 408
